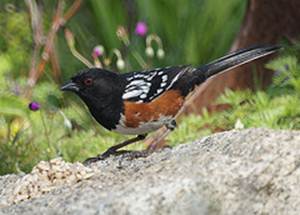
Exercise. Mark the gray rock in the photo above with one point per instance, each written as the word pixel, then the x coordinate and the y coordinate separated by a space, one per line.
pixel 254 171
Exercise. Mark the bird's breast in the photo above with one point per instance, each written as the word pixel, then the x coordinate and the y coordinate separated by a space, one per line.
pixel 142 118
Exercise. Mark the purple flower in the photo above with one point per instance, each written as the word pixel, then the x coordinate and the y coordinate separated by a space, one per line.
pixel 141 29
pixel 34 106
pixel 98 51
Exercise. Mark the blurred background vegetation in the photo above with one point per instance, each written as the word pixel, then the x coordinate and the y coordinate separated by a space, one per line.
pixel 191 31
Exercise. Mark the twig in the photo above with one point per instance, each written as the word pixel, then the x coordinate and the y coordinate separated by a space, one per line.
pixel 36 19
pixel 55 65
pixel 37 28
pixel 34 76
pixel 72 10
pixel 58 20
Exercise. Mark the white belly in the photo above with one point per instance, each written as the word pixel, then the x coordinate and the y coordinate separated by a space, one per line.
pixel 144 127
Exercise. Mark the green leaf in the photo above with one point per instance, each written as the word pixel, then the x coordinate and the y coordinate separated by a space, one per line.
pixel 13 106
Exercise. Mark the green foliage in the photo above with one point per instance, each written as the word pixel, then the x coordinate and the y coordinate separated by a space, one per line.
pixel 15 41
pixel 13 106
pixel 191 27
pixel 183 43
pixel 97 22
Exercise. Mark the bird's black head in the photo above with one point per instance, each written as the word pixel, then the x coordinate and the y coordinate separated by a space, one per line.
pixel 94 86
pixel 101 90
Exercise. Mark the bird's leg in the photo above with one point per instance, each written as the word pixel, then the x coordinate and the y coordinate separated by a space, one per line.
pixel 171 125
pixel 157 141
pixel 114 149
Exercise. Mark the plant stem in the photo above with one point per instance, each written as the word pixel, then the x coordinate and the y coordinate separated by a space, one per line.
pixel 80 57
pixel 46 134
pixel 139 59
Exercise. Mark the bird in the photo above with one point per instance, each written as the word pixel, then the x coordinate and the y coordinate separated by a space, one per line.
pixel 140 102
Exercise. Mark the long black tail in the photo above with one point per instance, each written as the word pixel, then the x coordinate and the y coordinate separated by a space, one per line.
pixel 235 59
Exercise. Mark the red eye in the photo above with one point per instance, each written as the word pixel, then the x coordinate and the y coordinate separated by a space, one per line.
pixel 88 82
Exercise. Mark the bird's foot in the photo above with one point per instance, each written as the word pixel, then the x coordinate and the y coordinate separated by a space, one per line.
pixel 128 154
pixel 92 160
pixel 102 156
pixel 114 150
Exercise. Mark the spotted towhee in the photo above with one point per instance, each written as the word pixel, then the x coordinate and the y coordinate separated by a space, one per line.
pixel 141 102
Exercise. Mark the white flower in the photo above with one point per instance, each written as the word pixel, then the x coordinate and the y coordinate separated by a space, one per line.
pixel 160 53
pixel 149 51
pixel 120 64
pixel 67 122
pixel 238 124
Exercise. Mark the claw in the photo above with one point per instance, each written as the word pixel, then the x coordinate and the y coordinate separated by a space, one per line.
pixel 131 154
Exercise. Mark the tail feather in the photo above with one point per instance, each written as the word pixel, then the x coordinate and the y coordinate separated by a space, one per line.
pixel 235 59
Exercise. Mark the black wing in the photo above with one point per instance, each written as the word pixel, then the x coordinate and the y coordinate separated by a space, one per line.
pixel 147 85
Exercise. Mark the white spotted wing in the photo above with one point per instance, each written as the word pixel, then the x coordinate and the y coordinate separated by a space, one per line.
pixel 148 85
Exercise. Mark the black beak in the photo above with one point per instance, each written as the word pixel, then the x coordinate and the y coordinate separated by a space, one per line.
pixel 70 86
